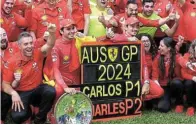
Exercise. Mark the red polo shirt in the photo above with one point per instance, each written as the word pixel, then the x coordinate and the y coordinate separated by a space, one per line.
pixel 189 20
pixel 65 63
pixel 79 8
pixel 186 72
pixel 43 15
pixel 163 80
pixel 31 70
pixel 13 25
pixel 7 54
pixel 10 51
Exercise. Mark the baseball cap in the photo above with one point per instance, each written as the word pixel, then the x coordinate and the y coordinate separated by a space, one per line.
pixel 131 20
pixel 66 22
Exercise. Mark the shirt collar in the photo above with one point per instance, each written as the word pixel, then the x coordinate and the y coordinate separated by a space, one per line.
pixel 22 57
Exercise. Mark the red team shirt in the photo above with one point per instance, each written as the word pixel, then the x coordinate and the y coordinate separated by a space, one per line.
pixel 186 72
pixel 65 63
pixel 189 20
pixel 163 80
pixel 31 70
pixel 13 25
pixel 43 15
pixel 79 8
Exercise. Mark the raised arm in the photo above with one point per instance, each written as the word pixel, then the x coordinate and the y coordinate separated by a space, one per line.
pixel 170 32
pixel 50 41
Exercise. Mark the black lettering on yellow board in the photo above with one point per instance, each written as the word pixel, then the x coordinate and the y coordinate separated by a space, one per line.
pixel 111 79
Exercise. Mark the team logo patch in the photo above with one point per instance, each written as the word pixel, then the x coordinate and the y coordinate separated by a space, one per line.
pixel 65 59
pixel 193 14
pixel 54 58
pixel 44 17
pixel 59 9
pixel 1 21
pixel 112 53
pixel 35 65
pixel 10 50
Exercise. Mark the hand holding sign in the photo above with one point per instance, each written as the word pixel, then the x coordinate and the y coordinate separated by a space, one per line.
pixel 70 90
pixel 145 89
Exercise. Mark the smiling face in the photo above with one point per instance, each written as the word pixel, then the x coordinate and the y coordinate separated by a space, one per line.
pixel 26 46
pixel 102 3
pixel 163 49
pixel 132 29
pixel 3 39
pixel 8 6
pixel 131 10
pixel 69 32
pixel 148 8
pixel 145 40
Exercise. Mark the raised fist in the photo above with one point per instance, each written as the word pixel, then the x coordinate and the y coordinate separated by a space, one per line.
pixel 51 28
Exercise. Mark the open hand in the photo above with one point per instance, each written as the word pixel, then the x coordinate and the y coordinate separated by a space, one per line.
pixel 17 104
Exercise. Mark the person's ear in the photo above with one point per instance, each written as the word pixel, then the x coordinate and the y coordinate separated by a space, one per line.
pixel 126 10
pixel 61 31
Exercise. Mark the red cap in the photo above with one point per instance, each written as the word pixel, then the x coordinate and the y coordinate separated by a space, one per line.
pixel 66 23
pixel 131 20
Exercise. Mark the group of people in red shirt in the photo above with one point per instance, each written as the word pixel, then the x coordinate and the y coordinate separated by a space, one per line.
pixel 39 59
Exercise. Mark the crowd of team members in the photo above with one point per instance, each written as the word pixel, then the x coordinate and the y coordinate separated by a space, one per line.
pixel 165 27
